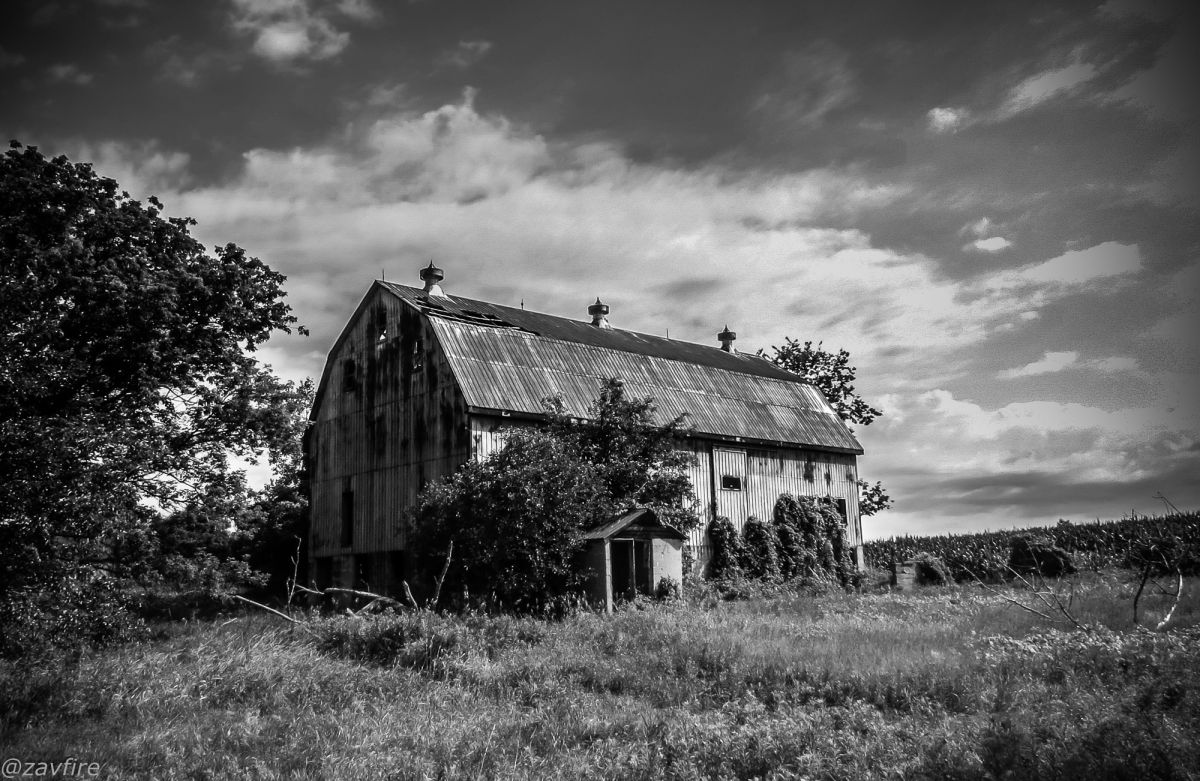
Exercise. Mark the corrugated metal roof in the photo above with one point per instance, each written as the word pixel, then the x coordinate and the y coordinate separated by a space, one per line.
pixel 583 332
pixel 510 359
pixel 514 370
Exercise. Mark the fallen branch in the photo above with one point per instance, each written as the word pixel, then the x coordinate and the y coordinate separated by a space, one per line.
pixel 273 611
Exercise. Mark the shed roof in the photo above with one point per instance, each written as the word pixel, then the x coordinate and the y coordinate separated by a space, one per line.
pixel 509 360
pixel 643 516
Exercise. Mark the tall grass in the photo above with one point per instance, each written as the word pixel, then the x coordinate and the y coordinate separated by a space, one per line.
pixel 943 683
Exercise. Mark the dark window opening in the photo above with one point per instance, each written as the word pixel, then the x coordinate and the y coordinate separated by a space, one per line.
pixel 347 518
pixel 418 355
pixel 841 508
pixel 808 469
pixel 731 483
pixel 381 326
pixel 631 568
pixel 349 380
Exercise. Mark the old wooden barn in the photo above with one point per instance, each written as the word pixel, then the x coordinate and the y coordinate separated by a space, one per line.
pixel 420 381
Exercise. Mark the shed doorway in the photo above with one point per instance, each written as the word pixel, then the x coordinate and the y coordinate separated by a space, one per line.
pixel 631 568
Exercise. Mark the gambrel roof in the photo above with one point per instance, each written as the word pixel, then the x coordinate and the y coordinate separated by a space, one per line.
pixel 506 360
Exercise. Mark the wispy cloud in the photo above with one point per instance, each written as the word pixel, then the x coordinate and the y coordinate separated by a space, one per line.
pixel 991 244
pixel 66 73
pixel 944 119
pixel 1045 85
pixel 288 31
pixel 464 55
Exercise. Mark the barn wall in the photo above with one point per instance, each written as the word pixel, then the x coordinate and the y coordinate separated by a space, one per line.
pixel 765 474
pixel 387 425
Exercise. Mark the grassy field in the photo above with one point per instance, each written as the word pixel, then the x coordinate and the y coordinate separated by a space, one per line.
pixel 942 683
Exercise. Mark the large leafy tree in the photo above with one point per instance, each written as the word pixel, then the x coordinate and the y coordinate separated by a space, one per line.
pixel 128 377
pixel 516 518
pixel 832 374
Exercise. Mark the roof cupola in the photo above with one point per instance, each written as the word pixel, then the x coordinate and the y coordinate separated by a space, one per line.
pixel 431 275
pixel 727 338
pixel 599 313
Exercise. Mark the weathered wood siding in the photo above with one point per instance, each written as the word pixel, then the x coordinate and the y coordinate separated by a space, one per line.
pixel 765 474
pixel 391 418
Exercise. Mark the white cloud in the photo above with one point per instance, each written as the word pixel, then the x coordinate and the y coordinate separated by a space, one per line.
pixel 991 244
pixel 286 31
pixel 1073 268
pixel 978 228
pixel 1045 85
pixel 946 119
pixel 1050 362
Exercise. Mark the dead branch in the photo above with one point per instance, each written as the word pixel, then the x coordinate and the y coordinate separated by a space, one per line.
pixel 437 588
pixel 1174 603
pixel 408 595
pixel 275 612
pixel 364 594
pixel 1018 603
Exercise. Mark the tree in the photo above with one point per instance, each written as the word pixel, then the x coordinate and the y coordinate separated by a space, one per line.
pixel 128 378
pixel 832 374
pixel 516 517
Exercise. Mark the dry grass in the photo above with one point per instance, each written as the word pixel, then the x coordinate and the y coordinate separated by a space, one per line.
pixel 945 683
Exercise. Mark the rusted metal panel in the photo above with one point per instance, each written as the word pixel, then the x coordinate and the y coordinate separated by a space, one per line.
pixel 513 370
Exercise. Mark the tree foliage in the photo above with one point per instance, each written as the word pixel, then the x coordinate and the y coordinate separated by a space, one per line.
pixel 516 517
pixel 128 379
pixel 830 373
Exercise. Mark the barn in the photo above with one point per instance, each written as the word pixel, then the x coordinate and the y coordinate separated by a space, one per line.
pixel 419 382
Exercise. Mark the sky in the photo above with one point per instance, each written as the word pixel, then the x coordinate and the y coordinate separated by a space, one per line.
pixel 993 206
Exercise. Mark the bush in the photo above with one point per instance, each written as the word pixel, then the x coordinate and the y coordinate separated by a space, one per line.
pixel 760 544
pixel 667 590
pixel 1029 554
pixel 726 560
pixel 931 571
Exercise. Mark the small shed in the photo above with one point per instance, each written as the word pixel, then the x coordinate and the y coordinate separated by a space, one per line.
pixel 631 554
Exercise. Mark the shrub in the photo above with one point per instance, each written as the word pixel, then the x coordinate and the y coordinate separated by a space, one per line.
pixel 760 544
pixel 787 517
pixel 931 571
pixel 726 560
pixel 1029 554
pixel 667 590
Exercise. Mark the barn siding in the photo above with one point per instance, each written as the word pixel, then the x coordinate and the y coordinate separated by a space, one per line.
pixel 401 425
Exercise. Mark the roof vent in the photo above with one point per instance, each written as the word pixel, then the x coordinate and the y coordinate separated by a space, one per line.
pixel 727 337
pixel 599 312
pixel 431 275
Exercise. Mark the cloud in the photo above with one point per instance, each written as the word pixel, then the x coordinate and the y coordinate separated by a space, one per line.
pixel 992 244
pixel 947 120
pixel 1050 362
pixel 68 74
pixel 1045 85
pixel 1073 268
pixel 464 55
pixel 812 82
pixel 286 31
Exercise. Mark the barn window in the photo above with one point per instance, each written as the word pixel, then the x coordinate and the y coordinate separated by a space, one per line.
pixel 418 355
pixel 841 508
pixel 349 380
pixel 731 483
pixel 381 326
pixel 347 518
pixel 808 468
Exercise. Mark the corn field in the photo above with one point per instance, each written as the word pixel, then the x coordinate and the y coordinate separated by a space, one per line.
pixel 1092 545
